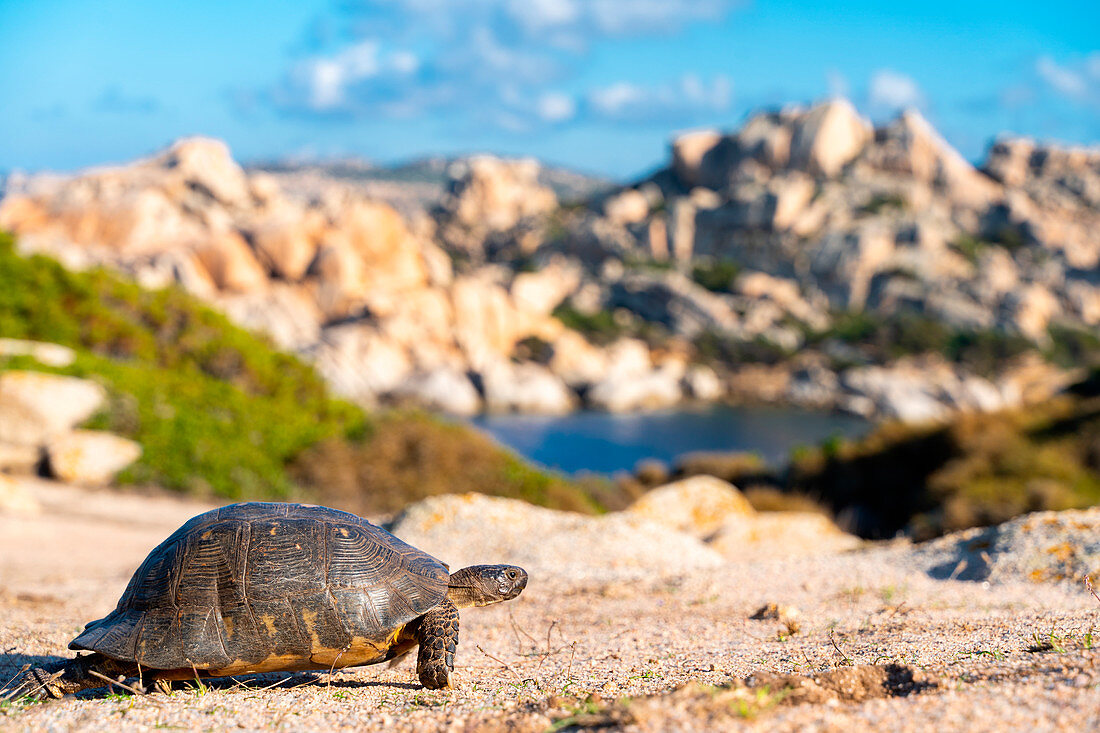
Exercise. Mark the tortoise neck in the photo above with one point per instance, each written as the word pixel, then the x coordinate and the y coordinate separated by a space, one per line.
pixel 465 591
pixel 462 597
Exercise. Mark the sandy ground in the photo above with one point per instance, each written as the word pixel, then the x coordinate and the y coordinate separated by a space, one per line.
pixel 888 647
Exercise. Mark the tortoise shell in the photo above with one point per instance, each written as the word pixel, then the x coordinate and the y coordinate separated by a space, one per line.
pixel 264 586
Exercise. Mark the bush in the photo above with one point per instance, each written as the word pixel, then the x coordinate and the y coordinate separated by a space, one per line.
pixel 884 202
pixel 712 347
pixel 772 499
pixel 716 276
pixel 980 469
pixel 907 334
pixel 600 328
pixel 735 467
pixel 412 455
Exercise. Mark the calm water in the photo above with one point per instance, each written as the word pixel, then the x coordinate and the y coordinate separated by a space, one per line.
pixel 605 443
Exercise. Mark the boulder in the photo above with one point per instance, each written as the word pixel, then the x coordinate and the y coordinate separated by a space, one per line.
pixel 469 528
pixel 780 535
pixel 1031 309
pixel 701 383
pixel 231 264
pixel 359 363
pixel 391 255
pixel 487 323
pixel 20 459
pixel 540 292
pixel 577 362
pixel 629 206
pixel 627 391
pixel 35 407
pixel 89 457
pixel 910 147
pixel 766 138
pixel 54 355
pixel 525 387
pixel 845 262
pixel 1044 547
pixel 1084 299
pixel 1009 160
pixel 673 300
pixel 205 164
pixel 285 313
pixel 341 279
pixel 287 242
pixel 900 394
pixel 682 228
pixel 787 197
pixel 688 153
pixel 493 194
pixel 16 498
pixel 828 137
pixel 698 505
pixel 444 389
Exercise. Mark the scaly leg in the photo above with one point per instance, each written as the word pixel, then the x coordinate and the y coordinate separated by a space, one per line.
pixel 57 679
pixel 438 637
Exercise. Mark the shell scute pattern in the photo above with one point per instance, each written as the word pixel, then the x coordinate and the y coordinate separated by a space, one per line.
pixel 259 581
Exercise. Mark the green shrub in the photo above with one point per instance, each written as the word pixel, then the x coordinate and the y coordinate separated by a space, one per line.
pixel 1073 347
pixel 907 334
pixel 980 469
pixel 712 347
pixel 600 328
pixel 716 275
pixel 412 455
pixel 883 202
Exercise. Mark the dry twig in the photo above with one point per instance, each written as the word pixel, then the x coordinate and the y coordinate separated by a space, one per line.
pixel 501 662
pixel 122 685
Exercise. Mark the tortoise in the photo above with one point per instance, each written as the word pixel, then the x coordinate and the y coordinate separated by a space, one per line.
pixel 274 587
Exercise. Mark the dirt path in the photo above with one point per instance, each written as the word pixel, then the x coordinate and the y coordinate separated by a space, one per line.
pixel 976 656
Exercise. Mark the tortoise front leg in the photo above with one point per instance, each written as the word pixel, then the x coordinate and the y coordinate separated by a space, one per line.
pixel 437 634
pixel 57 679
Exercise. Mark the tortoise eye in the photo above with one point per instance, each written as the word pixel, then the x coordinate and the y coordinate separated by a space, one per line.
pixel 512 574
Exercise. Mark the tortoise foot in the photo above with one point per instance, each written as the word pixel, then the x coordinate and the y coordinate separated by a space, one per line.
pixel 38 683
pixel 435 677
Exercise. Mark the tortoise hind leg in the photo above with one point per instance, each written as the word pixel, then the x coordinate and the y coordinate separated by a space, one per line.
pixel 438 637
pixel 57 679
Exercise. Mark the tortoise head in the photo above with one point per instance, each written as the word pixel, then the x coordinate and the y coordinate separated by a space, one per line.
pixel 482 585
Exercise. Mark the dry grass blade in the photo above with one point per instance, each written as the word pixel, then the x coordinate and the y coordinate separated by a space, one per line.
pixel 1088 584
pixel 845 660
pixel 21 691
pixel 122 685
pixel 501 662
pixel 11 679
pixel 518 630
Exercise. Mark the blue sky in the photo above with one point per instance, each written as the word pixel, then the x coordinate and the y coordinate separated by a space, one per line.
pixel 599 85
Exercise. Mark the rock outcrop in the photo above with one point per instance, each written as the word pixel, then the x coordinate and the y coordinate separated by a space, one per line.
pixel 739 254
pixel 1041 547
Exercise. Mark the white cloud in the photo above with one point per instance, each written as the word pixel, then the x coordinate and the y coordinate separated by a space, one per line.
pixel 673 101
pixel 326 84
pixel 1077 80
pixel 890 91
pixel 1092 65
pixel 555 107
pixel 1062 79
pixel 499 61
